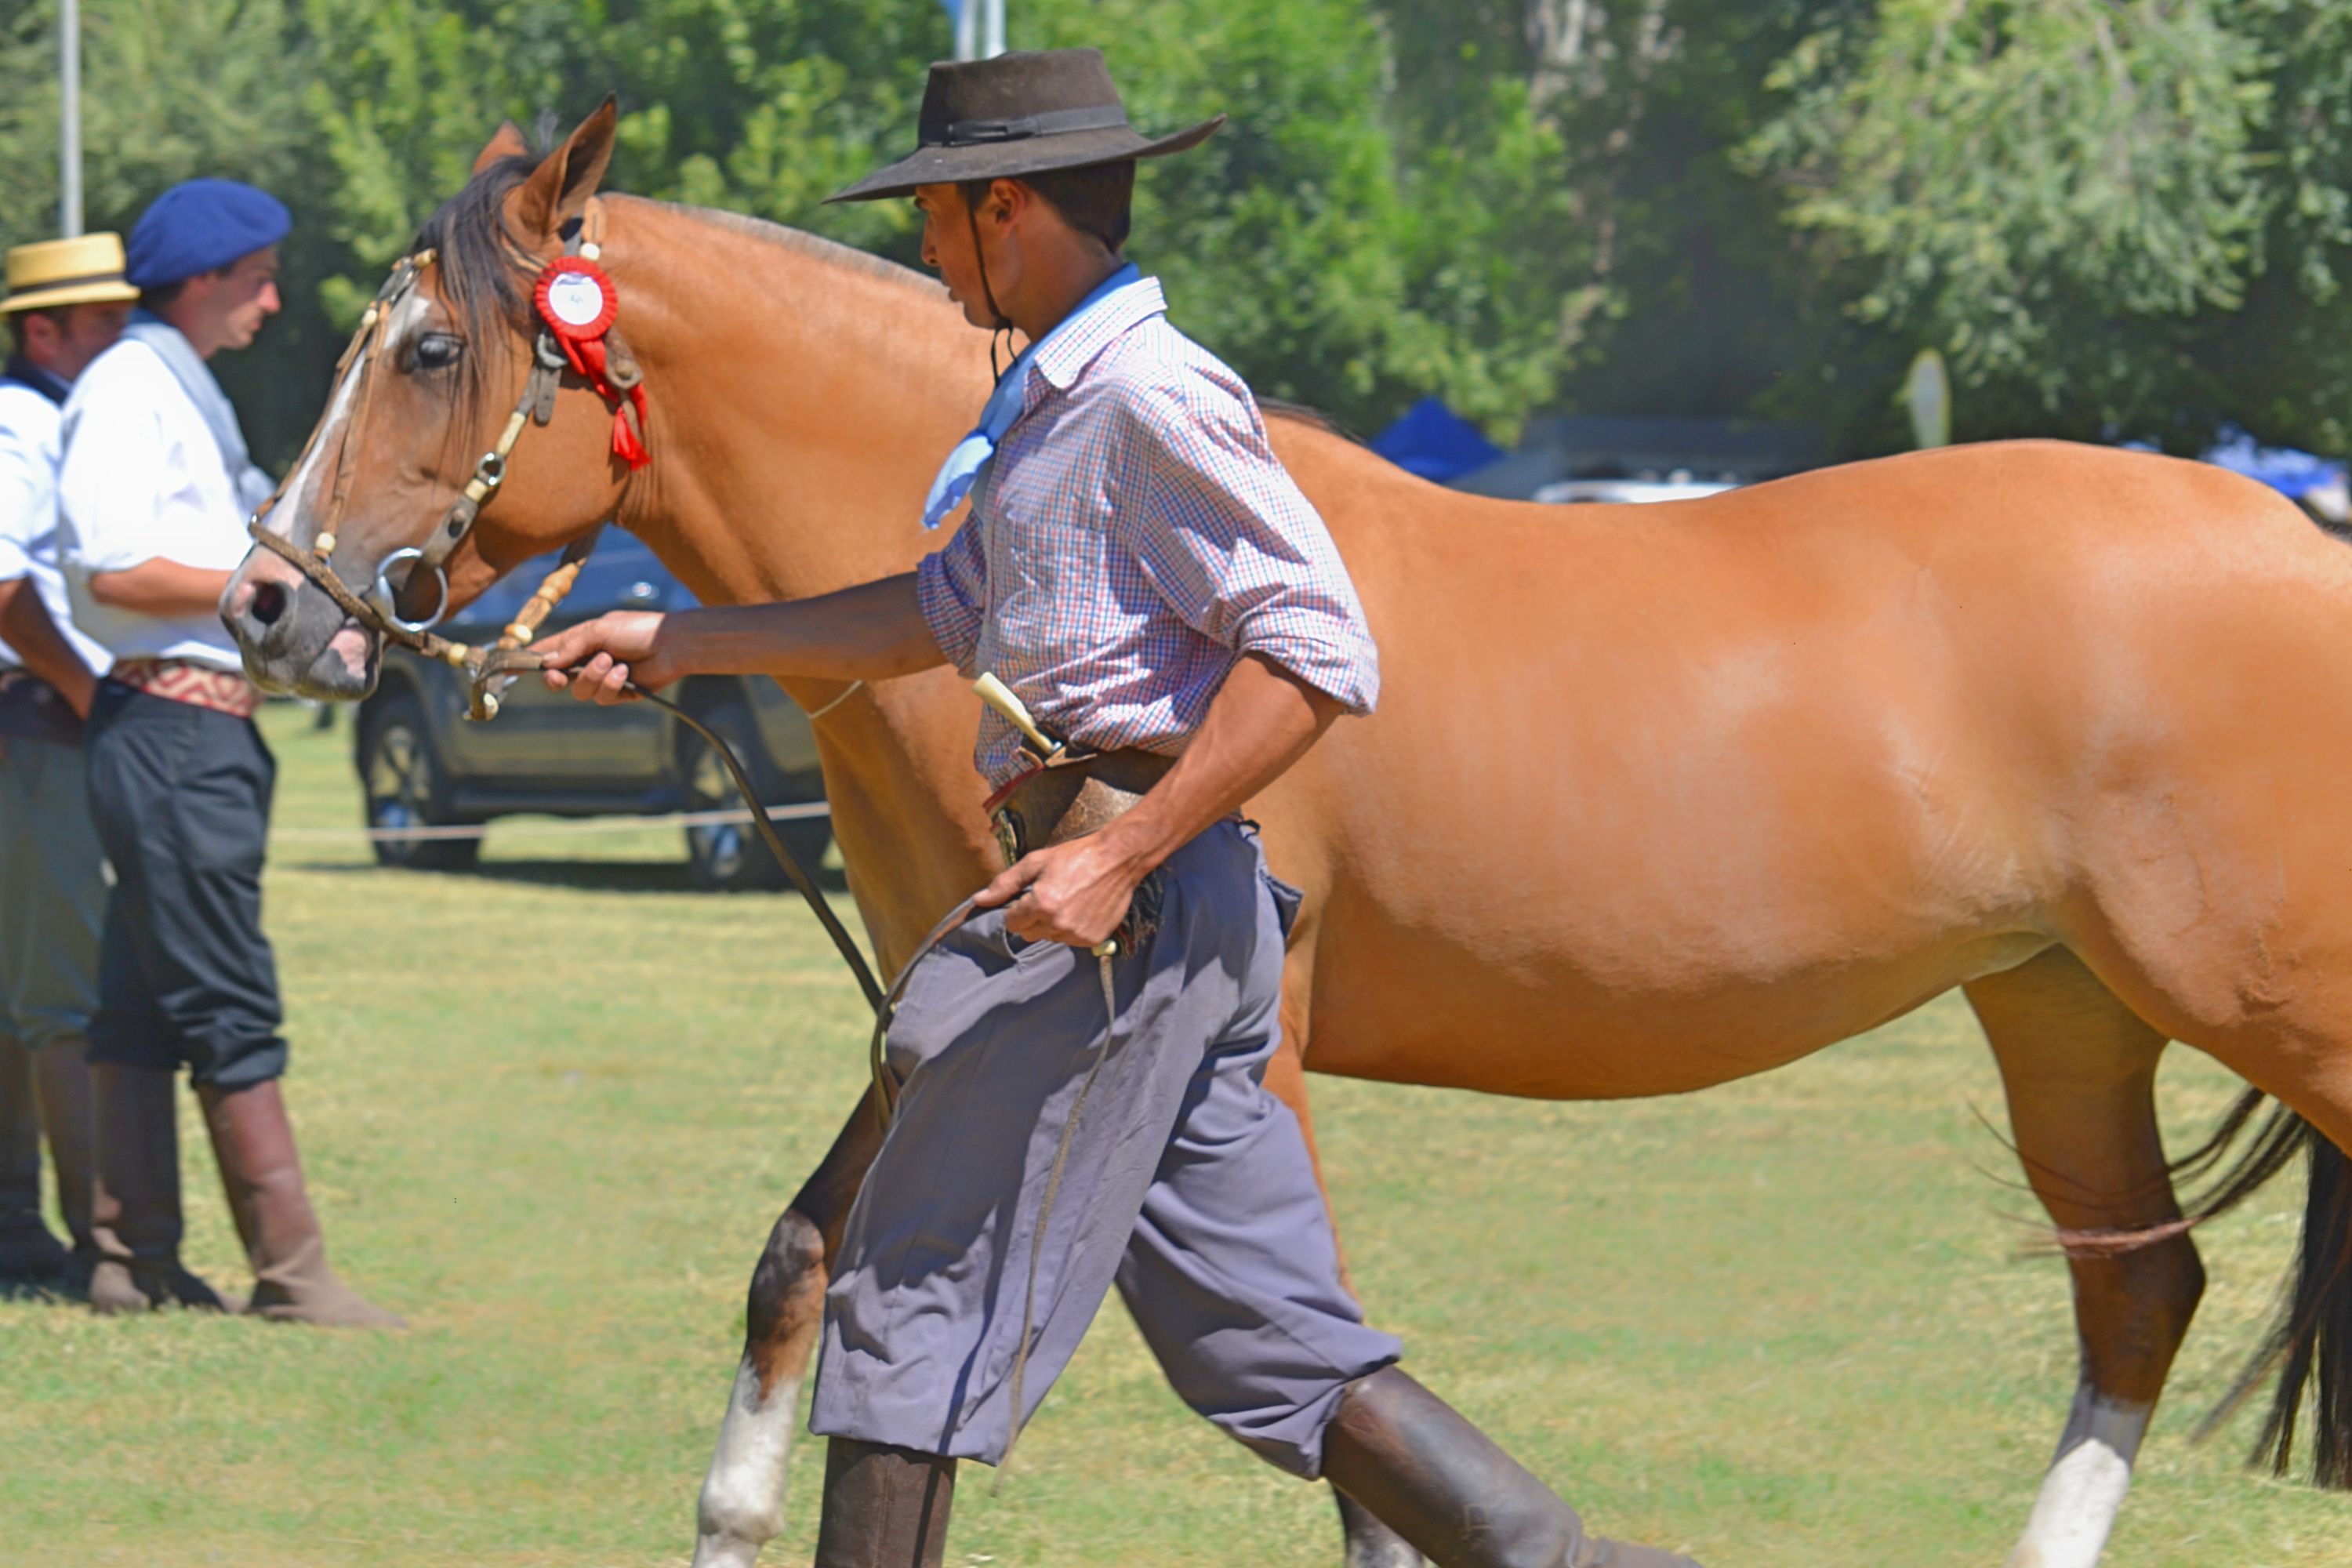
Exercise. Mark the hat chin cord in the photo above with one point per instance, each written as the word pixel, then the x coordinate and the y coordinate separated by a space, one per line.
pixel 1001 328
pixel 1001 324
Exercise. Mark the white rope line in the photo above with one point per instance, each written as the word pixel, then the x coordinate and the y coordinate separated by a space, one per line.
pixel 847 692
pixel 799 812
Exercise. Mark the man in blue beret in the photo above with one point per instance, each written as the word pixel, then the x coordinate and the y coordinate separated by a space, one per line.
pixel 154 491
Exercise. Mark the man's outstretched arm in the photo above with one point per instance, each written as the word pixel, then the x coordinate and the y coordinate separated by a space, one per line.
pixel 871 632
pixel 1262 720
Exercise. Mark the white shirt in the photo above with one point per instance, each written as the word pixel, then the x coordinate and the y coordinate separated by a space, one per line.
pixel 141 479
pixel 28 512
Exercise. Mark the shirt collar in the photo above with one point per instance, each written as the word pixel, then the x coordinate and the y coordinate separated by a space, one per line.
pixel 52 387
pixel 1129 299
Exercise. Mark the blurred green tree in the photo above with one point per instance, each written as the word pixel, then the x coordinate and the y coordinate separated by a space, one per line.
pixel 2127 216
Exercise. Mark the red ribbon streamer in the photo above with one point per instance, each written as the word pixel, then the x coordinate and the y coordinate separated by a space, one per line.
pixel 584 348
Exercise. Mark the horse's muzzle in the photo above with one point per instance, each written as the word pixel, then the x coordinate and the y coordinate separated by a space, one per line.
pixel 293 638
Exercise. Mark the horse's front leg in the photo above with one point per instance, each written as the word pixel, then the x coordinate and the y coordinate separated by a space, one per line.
pixel 742 1503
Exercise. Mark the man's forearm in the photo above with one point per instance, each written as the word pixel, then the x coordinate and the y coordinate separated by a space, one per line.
pixel 27 627
pixel 870 631
pixel 1263 719
pixel 160 587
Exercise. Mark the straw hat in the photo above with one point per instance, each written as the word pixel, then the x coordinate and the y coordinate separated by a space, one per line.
pixel 86 270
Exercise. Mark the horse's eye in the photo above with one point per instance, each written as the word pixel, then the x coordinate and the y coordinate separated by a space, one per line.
pixel 438 351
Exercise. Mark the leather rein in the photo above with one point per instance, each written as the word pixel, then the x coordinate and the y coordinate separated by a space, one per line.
pixel 488 670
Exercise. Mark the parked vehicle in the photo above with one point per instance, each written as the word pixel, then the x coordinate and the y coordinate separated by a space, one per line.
pixel 422 765
pixel 1676 485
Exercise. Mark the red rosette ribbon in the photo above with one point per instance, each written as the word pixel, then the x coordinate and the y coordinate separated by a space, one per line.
pixel 579 303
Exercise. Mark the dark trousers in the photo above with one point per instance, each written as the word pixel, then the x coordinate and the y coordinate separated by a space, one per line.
pixel 181 798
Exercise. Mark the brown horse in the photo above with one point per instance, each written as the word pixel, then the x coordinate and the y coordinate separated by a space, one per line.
pixel 1653 800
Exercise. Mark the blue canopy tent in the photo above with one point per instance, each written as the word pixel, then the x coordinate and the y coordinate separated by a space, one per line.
pixel 2292 474
pixel 1432 440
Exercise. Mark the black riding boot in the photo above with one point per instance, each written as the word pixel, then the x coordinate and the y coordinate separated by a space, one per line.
pixel 30 1257
pixel 139 1170
pixel 1436 1480
pixel 883 1508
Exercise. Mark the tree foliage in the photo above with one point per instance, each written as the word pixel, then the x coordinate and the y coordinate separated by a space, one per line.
pixel 2113 215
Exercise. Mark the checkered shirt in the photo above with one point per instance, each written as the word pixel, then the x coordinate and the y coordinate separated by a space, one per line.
pixel 1132 537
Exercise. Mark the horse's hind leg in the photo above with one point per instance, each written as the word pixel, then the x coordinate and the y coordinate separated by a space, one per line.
pixel 742 1502
pixel 2080 1072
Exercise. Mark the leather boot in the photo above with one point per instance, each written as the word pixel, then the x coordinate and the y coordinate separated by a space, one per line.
pixel 883 1508
pixel 30 1257
pixel 61 1082
pixel 139 1167
pixel 1436 1480
pixel 253 1142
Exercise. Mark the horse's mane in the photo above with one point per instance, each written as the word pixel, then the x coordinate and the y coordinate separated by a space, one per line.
pixel 480 267
pixel 815 246
pixel 484 267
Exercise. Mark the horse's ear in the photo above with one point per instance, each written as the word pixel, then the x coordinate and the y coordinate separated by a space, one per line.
pixel 557 191
pixel 507 143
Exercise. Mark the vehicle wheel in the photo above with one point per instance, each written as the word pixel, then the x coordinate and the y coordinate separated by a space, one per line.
pixel 401 778
pixel 731 857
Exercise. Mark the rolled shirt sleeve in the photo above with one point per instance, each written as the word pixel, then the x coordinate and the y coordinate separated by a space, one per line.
pixel 1232 546
pixel 116 490
pixel 951 591
pixel 26 500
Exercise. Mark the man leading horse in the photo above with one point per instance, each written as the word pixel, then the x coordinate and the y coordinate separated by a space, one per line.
pixel 1076 1068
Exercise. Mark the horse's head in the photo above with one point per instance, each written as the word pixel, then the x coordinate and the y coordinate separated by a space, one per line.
pixel 425 392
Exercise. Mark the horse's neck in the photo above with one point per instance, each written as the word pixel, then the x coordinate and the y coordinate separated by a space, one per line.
pixel 805 394
pixel 805 397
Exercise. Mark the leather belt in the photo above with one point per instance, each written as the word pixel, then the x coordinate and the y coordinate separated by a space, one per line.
pixel 197 685
pixel 1058 803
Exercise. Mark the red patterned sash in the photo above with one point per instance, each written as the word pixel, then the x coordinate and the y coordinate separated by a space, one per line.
pixel 194 684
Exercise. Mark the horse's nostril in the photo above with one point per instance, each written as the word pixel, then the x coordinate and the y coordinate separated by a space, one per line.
pixel 269 603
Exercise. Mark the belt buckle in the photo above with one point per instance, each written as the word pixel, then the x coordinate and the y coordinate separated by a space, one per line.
pixel 1008 826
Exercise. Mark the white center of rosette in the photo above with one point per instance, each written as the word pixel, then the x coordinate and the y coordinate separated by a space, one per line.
pixel 575 298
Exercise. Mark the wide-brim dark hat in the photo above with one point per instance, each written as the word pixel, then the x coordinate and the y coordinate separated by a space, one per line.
pixel 1019 114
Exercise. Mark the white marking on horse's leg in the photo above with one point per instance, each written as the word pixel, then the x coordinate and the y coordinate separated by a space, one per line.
pixel 2084 1485
pixel 743 1503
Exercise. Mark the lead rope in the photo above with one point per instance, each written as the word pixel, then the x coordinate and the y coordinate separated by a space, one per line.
pixel 1045 1210
pixel 511 656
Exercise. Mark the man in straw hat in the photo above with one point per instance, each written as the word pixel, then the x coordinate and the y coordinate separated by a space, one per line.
pixel 67 302
pixel 154 492
pixel 1078 1067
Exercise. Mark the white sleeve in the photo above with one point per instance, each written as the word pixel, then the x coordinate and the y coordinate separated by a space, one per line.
pixel 24 493
pixel 115 483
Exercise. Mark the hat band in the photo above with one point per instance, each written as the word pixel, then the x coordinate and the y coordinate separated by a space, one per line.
pixel 42 286
pixel 1051 122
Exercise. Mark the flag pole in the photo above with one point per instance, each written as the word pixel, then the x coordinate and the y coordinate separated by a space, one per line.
pixel 992 36
pixel 967 25
pixel 70 117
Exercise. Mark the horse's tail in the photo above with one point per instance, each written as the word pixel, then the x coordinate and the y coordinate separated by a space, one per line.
pixel 2309 1343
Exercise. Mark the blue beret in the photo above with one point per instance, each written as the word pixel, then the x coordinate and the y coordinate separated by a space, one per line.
pixel 200 225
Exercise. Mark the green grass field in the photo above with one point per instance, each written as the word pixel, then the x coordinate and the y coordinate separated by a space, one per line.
pixel 550 1109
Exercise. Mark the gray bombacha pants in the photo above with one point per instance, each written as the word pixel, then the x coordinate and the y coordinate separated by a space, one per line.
pixel 1186 1181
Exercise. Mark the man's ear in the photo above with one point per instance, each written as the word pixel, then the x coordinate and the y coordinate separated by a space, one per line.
pixel 1006 198
pixel 505 142
pixel 557 192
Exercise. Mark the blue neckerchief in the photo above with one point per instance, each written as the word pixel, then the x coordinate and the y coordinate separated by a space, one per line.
pixel 1004 407
pixel 195 378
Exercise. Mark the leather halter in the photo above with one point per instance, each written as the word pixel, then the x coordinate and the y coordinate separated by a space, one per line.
pixel 378 610
pixel 487 667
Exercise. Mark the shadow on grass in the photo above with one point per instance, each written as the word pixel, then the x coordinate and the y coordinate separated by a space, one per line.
pixel 585 875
